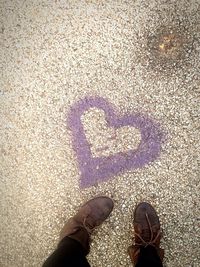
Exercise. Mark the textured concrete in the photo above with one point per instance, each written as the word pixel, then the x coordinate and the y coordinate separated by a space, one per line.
pixel 143 57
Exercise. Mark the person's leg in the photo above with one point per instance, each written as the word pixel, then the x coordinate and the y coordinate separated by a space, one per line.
pixel 69 253
pixel 148 257
pixel 74 242
pixel 146 251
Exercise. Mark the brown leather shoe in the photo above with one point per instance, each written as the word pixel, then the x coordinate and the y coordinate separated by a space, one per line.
pixel 89 216
pixel 147 231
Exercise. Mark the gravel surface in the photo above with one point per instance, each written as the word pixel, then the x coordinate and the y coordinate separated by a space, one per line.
pixel 142 57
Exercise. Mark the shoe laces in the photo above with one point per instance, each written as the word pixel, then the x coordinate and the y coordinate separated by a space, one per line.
pixel 152 240
pixel 87 225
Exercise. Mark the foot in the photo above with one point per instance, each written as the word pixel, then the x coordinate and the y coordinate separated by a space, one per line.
pixel 89 216
pixel 147 231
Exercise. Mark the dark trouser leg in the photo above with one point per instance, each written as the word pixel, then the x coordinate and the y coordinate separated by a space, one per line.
pixel 148 257
pixel 69 253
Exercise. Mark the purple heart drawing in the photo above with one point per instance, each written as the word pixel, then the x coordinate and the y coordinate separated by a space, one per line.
pixel 97 169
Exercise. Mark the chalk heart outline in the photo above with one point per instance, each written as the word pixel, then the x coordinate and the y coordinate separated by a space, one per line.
pixel 98 169
pixel 105 141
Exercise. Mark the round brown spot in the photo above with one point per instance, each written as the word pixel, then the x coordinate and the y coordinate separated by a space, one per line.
pixel 170 44
pixel 169 47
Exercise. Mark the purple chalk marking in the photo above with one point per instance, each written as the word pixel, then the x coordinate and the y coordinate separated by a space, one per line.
pixel 97 169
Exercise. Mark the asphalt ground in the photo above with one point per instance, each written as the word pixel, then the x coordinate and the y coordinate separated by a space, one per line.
pixel 98 97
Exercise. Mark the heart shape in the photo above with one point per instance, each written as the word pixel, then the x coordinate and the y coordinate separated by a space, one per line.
pixel 97 169
pixel 105 141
